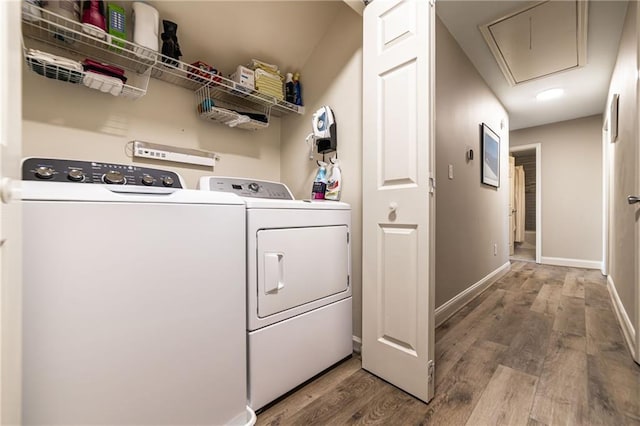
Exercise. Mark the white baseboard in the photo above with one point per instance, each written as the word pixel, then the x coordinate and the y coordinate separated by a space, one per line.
pixel 623 319
pixel 455 304
pixel 574 263
pixel 357 344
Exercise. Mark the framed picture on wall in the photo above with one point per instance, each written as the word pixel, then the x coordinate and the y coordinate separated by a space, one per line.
pixel 613 117
pixel 490 157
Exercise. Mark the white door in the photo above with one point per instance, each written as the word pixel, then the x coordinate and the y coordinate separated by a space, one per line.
pixel 10 229
pixel 398 236
pixel 512 204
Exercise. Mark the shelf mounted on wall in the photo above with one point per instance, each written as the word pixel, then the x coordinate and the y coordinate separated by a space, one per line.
pixel 52 34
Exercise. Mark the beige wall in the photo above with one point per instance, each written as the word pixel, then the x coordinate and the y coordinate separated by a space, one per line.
pixel 333 76
pixel 571 186
pixel 66 121
pixel 470 217
pixel 622 252
pixel 73 122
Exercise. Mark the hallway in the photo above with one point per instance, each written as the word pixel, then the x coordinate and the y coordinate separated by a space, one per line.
pixel 540 346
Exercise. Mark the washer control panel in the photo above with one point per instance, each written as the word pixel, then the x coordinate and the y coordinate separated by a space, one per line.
pixel 56 170
pixel 248 187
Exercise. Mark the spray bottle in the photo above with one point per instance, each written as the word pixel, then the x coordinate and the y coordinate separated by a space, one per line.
pixel 334 183
pixel 320 182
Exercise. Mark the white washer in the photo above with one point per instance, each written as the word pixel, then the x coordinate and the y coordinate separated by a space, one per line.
pixel 134 298
pixel 298 285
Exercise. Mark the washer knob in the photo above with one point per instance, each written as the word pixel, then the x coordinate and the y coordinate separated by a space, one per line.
pixel 253 187
pixel 167 181
pixel 114 177
pixel 147 179
pixel 75 175
pixel 44 172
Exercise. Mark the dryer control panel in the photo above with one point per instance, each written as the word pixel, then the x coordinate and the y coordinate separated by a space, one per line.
pixel 247 187
pixel 58 170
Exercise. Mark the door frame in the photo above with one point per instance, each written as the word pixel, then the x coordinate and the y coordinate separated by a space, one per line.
pixel 637 244
pixel 538 149
pixel 10 214
pixel 606 193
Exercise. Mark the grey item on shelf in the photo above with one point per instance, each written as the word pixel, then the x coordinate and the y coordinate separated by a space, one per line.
pixel 69 9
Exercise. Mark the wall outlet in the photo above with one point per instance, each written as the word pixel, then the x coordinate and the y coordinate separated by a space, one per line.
pixel 495 249
pixel 171 153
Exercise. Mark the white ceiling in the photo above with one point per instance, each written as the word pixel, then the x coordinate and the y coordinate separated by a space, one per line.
pixel 225 34
pixel 585 88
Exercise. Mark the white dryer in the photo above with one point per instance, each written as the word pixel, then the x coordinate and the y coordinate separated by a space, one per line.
pixel 123 320
pixel 299 314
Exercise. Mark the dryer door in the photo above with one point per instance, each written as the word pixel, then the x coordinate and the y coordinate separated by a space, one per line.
pixel 300 265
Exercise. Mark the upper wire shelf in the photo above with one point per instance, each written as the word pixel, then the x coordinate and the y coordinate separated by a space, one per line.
pixel 68 35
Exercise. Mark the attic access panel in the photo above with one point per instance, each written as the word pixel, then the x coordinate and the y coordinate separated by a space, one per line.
pixel 540 40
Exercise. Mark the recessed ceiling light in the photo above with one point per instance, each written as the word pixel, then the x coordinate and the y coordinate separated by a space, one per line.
pixel 549 94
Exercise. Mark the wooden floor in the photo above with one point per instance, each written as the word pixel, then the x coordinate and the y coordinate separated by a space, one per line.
pixel 542 346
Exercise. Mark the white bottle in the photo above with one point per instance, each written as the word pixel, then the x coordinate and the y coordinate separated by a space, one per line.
pixel 334 183
pixel 146 22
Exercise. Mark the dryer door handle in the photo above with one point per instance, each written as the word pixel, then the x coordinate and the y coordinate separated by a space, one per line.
pixel 273 272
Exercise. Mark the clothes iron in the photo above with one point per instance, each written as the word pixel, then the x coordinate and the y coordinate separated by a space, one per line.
pixel 324 130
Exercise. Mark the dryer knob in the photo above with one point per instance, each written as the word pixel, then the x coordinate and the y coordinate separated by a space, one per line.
pixel 44 172
pixel 75 175
pixel 167 181
pixel 114 177
pixel 147 179
pixel 253 187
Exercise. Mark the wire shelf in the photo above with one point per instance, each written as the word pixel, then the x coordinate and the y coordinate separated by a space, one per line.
pixel 82 41
pixel 211 110
pixel 221 88
pixel 68 35
pixel 61 73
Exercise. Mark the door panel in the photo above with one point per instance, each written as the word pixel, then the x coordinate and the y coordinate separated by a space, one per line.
pixel 399 311
pixel 300 265
pixel 398 123
pixel 398 305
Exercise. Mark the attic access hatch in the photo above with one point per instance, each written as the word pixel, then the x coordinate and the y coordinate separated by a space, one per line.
pixel 540 40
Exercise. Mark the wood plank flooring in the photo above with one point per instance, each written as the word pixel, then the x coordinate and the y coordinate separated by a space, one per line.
pixel 541 346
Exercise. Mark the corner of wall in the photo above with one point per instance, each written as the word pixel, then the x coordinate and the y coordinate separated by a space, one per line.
pixel 332 76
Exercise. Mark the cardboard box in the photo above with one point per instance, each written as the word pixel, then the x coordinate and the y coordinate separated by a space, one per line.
pixel 244 76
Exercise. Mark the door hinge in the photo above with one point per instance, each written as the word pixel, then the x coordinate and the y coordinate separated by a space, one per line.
pixel 348 280
pixel 347 238
pixel 431 369
pixel 432 183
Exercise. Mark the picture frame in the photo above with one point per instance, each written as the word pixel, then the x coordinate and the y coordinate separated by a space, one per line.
pixel 613 117
pixel 490 157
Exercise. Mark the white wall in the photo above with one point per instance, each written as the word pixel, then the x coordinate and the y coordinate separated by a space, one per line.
pixel 470 217
pixel 66 121
pixel 624 255
pixel 333 76
pixel 571 187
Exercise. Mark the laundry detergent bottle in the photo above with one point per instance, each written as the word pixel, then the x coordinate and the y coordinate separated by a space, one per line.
pixel 320 182
pixel 334 183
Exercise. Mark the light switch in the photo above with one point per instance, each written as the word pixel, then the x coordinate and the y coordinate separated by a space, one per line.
pixel 451 171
